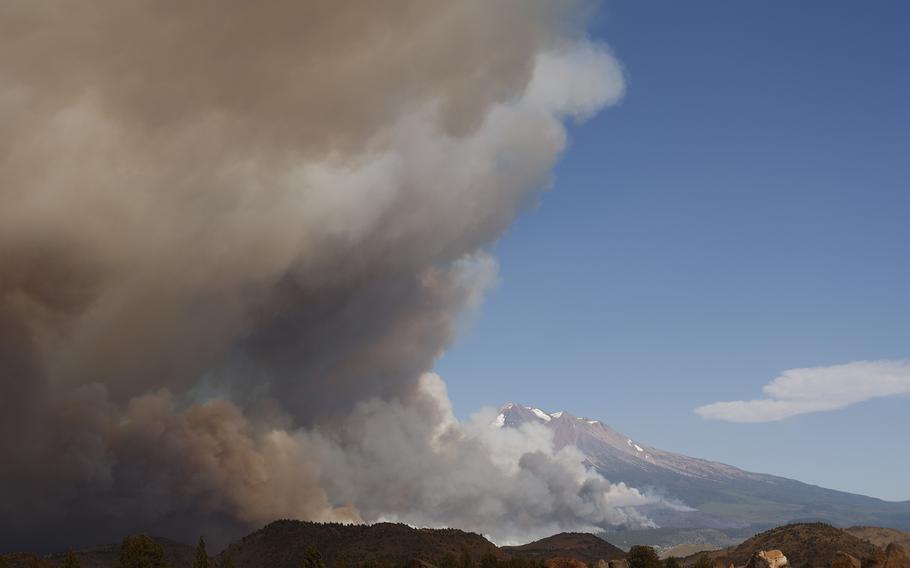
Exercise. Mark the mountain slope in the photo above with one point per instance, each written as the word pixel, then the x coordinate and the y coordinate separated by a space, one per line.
pixel 722 495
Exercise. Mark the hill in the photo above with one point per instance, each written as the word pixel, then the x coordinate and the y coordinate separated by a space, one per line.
pixel 804 544
pixel 580 546
pixel 880 536
pixel 283 544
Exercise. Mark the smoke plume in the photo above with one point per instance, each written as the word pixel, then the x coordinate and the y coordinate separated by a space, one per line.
pixel 234 238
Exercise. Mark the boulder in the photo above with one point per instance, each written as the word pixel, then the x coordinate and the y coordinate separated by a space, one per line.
pixel 767 559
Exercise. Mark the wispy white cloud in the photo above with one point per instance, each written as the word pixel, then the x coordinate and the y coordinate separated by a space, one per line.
pixel 816 389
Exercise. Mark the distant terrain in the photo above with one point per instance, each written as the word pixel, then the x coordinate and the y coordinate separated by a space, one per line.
pixel 691 540
pixel 286 544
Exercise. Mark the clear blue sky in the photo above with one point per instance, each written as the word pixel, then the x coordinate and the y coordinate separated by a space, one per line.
pixel 745 210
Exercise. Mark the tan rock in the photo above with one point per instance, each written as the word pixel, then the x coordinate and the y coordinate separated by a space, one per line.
pixel 767 559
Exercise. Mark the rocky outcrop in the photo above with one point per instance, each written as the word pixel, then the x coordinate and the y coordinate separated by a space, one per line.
pixel 767 559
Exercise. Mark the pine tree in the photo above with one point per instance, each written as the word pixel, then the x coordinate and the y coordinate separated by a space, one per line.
pixel 489 561
pixel 201 559
pixel 140 551
pixel 448 561
pixel 312 559
pixel 643 557
pixel 71 561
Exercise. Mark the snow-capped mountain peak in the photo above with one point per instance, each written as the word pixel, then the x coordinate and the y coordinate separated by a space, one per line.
pixel 699 492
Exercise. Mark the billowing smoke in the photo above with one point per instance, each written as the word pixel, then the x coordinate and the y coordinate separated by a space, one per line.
pixel 234 238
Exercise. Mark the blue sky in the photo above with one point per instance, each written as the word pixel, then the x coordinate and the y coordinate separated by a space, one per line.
pixel 744 210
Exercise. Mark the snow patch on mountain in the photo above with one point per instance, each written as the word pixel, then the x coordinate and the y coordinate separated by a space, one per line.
pixel 542 415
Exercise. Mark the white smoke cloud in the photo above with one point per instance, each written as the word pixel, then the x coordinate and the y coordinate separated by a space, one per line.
pixel 816 389
pixel 510 484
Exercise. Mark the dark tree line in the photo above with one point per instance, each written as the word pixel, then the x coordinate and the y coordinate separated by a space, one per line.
pixel 141 551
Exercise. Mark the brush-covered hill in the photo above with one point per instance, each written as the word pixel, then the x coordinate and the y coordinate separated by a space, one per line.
pixel 804 544
pixel 880 536
pixel 283 544
pixel 580 546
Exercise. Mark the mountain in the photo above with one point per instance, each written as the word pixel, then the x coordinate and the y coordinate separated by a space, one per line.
pixel 580 546
pixel 804 544
pixel 715 495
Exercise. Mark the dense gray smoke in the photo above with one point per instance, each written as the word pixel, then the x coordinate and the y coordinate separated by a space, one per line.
pixel 234 238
